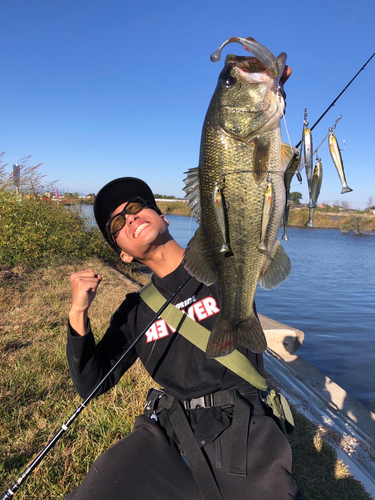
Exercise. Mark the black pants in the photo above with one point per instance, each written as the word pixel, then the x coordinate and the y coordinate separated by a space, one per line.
pixel 147 464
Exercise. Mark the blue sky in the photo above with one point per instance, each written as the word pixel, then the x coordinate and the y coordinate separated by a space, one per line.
pixel 96 90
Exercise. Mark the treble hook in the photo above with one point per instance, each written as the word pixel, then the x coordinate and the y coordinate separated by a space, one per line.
pixel 336 122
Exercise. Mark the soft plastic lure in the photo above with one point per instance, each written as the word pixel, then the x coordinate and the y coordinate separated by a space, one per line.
pixel 259 51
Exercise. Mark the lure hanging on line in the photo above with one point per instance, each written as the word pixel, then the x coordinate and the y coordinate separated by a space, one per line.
pixel 337 160
pixel 293 167
pixel 307 149
pixel 316 185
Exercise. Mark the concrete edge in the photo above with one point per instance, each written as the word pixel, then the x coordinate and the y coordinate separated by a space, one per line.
pixel 349 424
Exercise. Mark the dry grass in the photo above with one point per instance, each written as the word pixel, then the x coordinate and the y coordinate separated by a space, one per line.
pixel 342 221
pixel 174 207
pixel 37 395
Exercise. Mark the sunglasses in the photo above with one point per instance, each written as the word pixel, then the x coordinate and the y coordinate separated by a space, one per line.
pixel 118 221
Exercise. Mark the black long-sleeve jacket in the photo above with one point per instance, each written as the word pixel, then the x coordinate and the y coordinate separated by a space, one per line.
pixel 173 362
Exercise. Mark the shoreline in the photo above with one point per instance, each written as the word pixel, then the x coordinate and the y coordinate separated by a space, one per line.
pixel 358 222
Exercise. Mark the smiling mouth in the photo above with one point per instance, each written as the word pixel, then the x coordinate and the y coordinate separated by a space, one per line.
pixel 140 228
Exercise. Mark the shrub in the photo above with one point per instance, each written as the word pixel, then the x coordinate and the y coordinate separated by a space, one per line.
pixel 35 231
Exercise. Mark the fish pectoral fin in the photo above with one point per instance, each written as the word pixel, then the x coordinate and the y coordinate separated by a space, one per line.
pixel 277 270
pixel 196 260
pixel 250 334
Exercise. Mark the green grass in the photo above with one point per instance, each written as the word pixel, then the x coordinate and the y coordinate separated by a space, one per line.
pixel 37 395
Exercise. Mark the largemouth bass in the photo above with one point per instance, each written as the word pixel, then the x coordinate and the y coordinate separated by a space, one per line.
pixel 241 154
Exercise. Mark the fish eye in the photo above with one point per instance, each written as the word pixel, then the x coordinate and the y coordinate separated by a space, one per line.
pixel 229 81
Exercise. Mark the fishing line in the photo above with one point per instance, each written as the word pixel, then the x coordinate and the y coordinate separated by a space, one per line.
pixel 332 84
pixel 340 94
pixel 287 133
pixel 329 130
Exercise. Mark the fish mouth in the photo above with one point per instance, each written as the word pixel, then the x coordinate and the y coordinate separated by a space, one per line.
pixel 139 229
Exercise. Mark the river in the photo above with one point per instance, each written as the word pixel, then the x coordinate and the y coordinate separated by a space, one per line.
pixel 330 296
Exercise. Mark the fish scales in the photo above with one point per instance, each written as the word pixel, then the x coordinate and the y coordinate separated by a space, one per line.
pixel 241 149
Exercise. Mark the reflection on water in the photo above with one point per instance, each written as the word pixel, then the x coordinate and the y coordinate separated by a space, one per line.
pixel 330 295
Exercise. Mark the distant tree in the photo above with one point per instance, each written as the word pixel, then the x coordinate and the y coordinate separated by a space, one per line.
pixel 345 205
pixel 164 197
pixel 356 224
pixel 295 198
pixel 370 202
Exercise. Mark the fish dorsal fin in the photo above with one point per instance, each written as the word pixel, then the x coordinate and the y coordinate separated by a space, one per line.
pixel 277 270
pixel 287 151
pixel 192 191
pixel 196 260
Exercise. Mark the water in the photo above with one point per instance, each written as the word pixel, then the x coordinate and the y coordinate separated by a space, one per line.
pixel 329 295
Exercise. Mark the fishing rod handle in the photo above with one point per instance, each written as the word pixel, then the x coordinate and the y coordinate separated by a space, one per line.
pixel 7 495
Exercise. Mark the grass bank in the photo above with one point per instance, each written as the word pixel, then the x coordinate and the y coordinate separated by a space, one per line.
pixel 352 221
pixel 174 207
pixel 37 395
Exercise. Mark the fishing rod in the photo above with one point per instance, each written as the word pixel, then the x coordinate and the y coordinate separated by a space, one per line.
pixel 11 491
pixel 334 102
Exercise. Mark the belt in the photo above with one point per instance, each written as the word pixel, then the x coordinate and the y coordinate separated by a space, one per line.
pixel 220 398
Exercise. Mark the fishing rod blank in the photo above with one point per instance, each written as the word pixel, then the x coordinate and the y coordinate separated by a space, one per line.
pixel 337 98
pixel 11 491
pixel 299 177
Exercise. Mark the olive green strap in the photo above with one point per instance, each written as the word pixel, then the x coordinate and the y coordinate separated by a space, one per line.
pixel 198 335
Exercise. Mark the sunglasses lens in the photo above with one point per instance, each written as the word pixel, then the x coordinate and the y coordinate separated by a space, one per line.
pixel 132 207
pixel 135 207
pixel 117 223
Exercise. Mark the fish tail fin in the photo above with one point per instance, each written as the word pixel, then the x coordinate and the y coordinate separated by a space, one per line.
pixel 226 336
pixel 222 340
pixel 250 334
pixel 346 189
